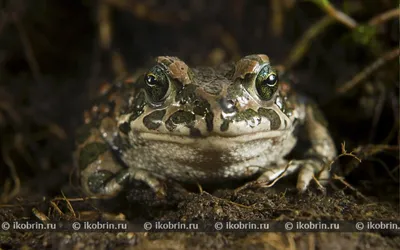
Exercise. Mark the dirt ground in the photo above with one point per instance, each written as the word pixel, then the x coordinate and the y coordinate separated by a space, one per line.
pixel 55 54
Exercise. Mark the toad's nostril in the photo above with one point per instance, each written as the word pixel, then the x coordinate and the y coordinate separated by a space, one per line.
pixel 228 106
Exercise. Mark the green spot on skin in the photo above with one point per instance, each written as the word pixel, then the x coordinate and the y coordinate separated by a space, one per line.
pixel 138 106
pixel 235 90
pixel 225 125
pixel 272 116
pixel 200 106
pixel 203 109
pixel 250 116
pixel 180 118
pixel 187 94
pixel 210 121
pixel 154 120
pixel 97 180
pixel 90 153
pixel 245 115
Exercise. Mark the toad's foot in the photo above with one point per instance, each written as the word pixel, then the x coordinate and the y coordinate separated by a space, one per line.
pixel 117 183
pixel 308 169
pixel 109 181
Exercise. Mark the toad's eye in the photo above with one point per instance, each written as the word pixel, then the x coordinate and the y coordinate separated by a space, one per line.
pixel 156 84
pixel 266 83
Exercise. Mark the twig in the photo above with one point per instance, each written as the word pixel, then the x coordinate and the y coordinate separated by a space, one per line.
pixel 390 55
pixel 383 17
pixel 378 110
pixel 261 184
pixel 70 208
pixel 14 175
pixel 229 201
pixel 104 24
pixel 344 153
pixel 78 199
pixel 311 242
pixel 395 128
pixel 372 149
pixel 304 43
pixel 320 187
pixel 278 19
pixel 277 178
pixel 383 164
pixel 30 56
pixel 33 203
pixel 395 169
pixel 118 65
pixel 336 14
pixel 200 188
pixel 56 208
pixel 41 216
pixel 7 105
pixel 341 179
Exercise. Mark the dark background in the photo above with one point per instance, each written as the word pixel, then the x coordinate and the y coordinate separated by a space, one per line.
pixel 53 58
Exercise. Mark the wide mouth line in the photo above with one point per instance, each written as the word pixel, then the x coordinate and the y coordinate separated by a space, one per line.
pixel 213 136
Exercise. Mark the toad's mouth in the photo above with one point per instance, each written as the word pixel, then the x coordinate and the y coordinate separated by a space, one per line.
pixel 213 140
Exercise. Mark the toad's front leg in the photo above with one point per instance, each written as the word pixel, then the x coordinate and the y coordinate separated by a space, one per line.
pixel 100 172
pixel 320 154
